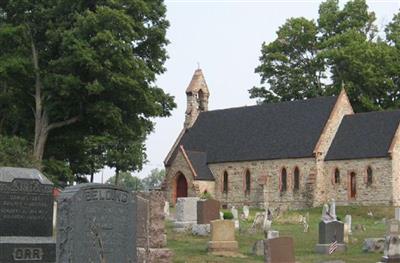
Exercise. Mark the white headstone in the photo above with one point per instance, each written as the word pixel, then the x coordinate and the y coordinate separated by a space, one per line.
pixel 325 212
pixel 347 221
pixel 267 223
pixel 166 208
pixel 186 209
pixel 332 209
pixel 234 212
pixel 246 211
pixel 272 234
pixel 237 224
pixel 221 215
pixel 397 213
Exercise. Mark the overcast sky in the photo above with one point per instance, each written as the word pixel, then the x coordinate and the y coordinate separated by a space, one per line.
pixel 225 38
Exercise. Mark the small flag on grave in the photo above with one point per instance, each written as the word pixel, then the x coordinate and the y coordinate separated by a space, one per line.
pixel 332 247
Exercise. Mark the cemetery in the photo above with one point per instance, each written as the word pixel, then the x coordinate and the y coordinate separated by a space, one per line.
pixel 106 223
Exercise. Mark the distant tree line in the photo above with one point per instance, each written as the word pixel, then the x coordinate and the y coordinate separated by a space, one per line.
pixel 343 48
pixel 134 183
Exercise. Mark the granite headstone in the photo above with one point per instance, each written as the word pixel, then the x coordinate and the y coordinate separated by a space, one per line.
pixel 207 210
pixel 329 232
pixel 279 250
pixel 26 216
pixel 186 213
pixel 96 223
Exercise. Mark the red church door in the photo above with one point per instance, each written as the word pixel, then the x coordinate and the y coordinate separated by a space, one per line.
pixel 181 186
pixel 353 186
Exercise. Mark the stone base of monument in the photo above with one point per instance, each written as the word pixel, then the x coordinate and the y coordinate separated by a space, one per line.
pixel 324 248
pixel 28 249
pixel 201 229
pixel 223 248
pixel 386 259
pixel 184 226
pixel 159 255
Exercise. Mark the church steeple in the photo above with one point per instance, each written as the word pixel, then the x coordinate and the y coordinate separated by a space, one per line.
pixel 197 95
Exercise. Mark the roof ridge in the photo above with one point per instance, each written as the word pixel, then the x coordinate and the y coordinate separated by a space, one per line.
pixel 373 112
pixel 271 104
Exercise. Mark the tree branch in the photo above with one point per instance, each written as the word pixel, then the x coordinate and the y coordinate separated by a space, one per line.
pixel 62 123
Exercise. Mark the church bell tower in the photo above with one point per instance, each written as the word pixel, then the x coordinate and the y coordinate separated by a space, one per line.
pixel 197 95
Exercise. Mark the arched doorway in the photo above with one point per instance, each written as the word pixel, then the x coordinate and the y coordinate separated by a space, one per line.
pixel 353 185
pixel 181 186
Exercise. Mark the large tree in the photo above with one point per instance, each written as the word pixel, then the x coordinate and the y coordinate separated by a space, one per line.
pixel 82 70
pixel 343 47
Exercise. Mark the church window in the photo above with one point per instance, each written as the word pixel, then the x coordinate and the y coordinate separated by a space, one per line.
pixel 225 183
pixel 337 176
pixel 283 180
pixel 248 181
pixel 369 176
pixel 296 179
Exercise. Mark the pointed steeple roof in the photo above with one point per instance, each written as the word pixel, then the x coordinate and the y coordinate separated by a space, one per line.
pixel 197 83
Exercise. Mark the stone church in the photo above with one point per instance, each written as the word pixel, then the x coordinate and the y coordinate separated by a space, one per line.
pixel 292 154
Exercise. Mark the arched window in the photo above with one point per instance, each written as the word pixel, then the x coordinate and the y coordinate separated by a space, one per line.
pixel 283 180
pixel 296 179
pixel 248 181
pixel 369 176
pixel 201 100
pixel 225 183
pixel 337 176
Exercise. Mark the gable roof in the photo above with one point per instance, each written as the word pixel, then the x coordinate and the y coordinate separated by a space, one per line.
pixel 199 164
pixel 263 132
pixel 364 135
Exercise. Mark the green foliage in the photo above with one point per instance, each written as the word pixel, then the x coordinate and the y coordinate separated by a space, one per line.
pixel 59 173
pixel 16 152
pixel 154 179
pixel 128 181
pixel 206 195
pixel 228 215
pixel 310 59
pixel 92 89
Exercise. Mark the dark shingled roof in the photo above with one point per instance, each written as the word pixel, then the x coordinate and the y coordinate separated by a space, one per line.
pixel 262 132
pixel 364 135
pixel 199 162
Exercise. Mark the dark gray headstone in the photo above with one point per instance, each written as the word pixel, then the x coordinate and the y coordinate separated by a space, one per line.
pixel 331 231
pixel 96 223
pixel 26 216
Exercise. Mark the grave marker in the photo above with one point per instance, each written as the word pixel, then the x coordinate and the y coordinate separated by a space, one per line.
pixel 186 213
pixel 96 223
pixel 26 216
pixel 279 250
pixel 207 210
pixel 223 241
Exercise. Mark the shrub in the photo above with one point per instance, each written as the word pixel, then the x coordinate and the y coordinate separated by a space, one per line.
pixel 206 195
pixel 228 215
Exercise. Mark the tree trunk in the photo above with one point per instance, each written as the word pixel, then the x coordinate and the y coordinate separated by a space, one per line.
pixel 42 126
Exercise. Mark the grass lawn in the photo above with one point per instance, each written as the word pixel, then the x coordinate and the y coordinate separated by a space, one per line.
pixel 189 248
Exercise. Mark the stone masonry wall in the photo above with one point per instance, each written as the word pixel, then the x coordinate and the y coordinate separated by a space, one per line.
pixel 150 235
pixel 380 192
pixel 396 168
pixel 262 172
pixel 341 108
pixel 179 165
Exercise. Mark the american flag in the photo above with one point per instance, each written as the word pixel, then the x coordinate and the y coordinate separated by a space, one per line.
pixel 332 247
